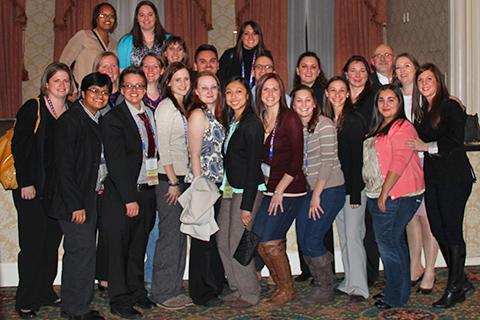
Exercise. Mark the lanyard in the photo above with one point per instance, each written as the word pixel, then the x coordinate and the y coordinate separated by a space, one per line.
pixel 270 150
pixel 250 80
pixel 185 128
pixel 52 108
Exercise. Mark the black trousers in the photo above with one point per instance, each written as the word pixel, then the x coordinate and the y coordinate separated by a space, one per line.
pixel 39 237
pixel 445 204
pixel 101 267
pixel 78 269
pixel 371 249
pixel 206 276
pixel 126 242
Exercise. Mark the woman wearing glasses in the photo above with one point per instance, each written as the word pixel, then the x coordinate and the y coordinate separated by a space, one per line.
pixel 84 47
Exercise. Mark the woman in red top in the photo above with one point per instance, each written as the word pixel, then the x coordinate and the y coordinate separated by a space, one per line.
pixel 286 185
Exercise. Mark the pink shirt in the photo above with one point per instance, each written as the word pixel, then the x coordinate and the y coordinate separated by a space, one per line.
pixel 394 155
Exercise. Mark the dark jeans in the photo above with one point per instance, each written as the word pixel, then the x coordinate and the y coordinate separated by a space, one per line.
pixel 389 227
pixel 275 227
pixel 311 233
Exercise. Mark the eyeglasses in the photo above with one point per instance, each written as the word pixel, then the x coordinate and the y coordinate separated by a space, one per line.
pixel 98 91
pixel 384 55
pixel 137 86
pixel 106 16
pixel 266 67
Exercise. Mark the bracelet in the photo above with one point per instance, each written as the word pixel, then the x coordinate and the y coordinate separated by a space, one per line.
pixel 277 192
pixel 174 184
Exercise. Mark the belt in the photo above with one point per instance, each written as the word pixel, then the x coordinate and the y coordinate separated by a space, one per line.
pixel 144 187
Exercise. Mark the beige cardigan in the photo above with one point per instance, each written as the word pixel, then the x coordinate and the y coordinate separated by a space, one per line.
pixel 83 48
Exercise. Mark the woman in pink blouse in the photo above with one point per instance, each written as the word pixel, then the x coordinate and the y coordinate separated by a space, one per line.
pixel 394 186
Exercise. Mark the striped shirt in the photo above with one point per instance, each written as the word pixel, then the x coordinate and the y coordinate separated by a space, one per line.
pixel 321 155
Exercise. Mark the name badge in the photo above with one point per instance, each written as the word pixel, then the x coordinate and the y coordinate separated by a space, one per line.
pixel 265 169
pixel 151 165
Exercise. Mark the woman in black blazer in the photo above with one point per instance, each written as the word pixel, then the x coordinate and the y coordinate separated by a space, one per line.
pixel 242 186
pixel 448 174
pixel 33 150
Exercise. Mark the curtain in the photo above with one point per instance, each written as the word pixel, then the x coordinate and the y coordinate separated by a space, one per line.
pixel 358 28
pixel 189 19
pixel 13 21
pixel 272 15
pixel 70 17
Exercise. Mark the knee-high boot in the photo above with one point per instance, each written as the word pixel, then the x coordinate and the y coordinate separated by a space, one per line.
pixel 468 287
pixel 279 267
pixel 322 290
pixel 454 292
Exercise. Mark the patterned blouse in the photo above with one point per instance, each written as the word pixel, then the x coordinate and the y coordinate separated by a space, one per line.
pixel 211 159
pixel 138 53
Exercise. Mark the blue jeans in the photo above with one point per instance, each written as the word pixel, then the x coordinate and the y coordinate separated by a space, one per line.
pixel 275 227
pixel 389 228
pixel 152 242
pixel 311 233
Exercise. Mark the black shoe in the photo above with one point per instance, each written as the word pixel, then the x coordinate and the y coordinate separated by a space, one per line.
pixel 382 305
pixel 91 315
pixel 146 304
pixel 449 299
pixel 26 314
pixel 126 312
pixel 355 298
pixel 468 287
pixel 378 296
pixel 56 303
pixel 303 277
pixel 413 283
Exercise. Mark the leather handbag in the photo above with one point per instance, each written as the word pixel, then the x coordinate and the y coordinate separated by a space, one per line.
pixel 247 247
pixel 8 177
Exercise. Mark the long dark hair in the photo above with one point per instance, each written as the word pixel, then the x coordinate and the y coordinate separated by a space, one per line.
pixel 368 84
pixel 377 120
pixel 260 107
pixel 197 103
pixel 259 49
pixel 328 110
pixel 159 31
pixel 227 111
pixel 321 79
pixel 419 100
pixel 316 111
pixel 166 91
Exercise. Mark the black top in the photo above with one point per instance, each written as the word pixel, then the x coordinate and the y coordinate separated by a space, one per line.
pixel 451 164
pixel 78 149
pixel 243 159
pixel 319 92
pixel 231 66
pixel 34 152
pixel 365 105
pixel 350 153
pixel 123 149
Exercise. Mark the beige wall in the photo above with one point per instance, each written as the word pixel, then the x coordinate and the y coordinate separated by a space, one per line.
pixel 223 16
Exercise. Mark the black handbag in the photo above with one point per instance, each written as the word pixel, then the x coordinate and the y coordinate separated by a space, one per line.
pixel 247 247
pixel 472 128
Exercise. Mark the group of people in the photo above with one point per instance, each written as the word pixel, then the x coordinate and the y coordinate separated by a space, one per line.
pixel 144 157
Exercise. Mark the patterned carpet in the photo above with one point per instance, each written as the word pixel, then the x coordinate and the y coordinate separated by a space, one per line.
pixel 418 308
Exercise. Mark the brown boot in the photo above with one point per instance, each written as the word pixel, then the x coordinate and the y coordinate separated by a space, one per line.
pixel 279 266
pixel 322 290
pixel 268 263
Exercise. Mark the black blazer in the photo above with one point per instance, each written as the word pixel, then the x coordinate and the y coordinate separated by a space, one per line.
pixel 78 148
pixel 376 84
pixel 28 149
pixel 350 153
pixel 243 159
pixel 451 163
pixel 123 152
